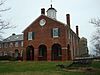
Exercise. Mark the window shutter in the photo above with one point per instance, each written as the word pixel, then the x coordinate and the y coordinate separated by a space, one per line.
pixel 52 33
pixel 27 36
pixel 33 35
pixel 59 32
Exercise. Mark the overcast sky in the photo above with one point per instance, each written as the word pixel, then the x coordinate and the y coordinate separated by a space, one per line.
pixel 24 12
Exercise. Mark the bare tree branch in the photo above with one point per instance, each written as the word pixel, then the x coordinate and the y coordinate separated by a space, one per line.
pixel 96 36
pixel 3 24
pixel 5 10
pixel 2 2
pixel 96 22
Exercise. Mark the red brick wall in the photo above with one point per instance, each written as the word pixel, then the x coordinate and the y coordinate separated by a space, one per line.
pixel 12 48
pixel 43 36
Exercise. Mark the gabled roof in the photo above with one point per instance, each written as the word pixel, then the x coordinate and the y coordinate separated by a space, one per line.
pixel 46 17
pixel 14 38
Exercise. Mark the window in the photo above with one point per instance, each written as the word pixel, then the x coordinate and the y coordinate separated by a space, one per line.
pixel 21 54
pixel 5 53
pixel 0 45
pixel 11 44
pixel 30 35
pixel 22 44
pixel 16 44
pixel 5 45
pixel 55 32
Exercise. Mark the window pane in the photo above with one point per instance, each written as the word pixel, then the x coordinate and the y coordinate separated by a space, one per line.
pixel 55 32
pixel 5 45
pixel 16 44
pixel 22 44
pixel 11 45
pixel 29 35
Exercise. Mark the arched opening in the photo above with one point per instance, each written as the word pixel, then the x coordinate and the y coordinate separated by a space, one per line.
pixel 42 53
pixel 17 54
pixel 30 53
pixel 56 53
pixel 68 52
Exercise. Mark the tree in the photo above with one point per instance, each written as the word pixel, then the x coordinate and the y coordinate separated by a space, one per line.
pixel 96 36
pixel 3 24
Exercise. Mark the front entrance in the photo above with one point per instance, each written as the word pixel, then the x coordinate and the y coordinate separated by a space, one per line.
pixel 56 53
pixel 42 53
pixel 30 53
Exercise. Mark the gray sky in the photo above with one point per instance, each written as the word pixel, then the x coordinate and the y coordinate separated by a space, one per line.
pixel 24 12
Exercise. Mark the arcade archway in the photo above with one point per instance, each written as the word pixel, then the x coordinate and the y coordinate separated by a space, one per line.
pixel 30 53
pixel 56 53
pixel 42 53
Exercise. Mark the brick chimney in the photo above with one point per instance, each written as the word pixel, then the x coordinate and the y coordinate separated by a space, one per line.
pixel 77 32
pixel 43 11
pixel 68 19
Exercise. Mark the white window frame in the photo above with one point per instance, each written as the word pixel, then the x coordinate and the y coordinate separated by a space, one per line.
pixel 21 53
pixel 16 44
pixel 29 35
pixel 22 43
pixel 11 44
pixel 55 32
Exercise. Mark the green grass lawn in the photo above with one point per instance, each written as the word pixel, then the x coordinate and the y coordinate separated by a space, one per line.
pixel 40 68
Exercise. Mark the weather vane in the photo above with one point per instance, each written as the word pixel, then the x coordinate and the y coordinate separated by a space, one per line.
pixel 51 1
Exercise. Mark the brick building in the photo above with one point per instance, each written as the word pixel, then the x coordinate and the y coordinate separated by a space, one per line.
pixel 12 46
pixel 45 39
pixel 48 39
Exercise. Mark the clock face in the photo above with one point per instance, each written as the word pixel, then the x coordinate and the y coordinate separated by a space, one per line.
pixel 42 22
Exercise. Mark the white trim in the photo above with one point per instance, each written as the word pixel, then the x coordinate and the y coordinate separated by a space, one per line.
pixel 64 48
pixel 29 35
pixel 55 32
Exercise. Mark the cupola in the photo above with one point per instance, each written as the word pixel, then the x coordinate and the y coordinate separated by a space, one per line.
pixel 51 12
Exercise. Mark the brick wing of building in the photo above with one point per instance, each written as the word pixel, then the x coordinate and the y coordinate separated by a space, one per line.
pixel 47 39
pixel 12 46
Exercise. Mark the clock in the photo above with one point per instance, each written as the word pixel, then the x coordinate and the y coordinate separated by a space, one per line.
pixel 42 22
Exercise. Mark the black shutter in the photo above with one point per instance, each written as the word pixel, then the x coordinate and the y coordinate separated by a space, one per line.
pixel 59 32
pixel 52 33
pixel 27 36
pixel 33 35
